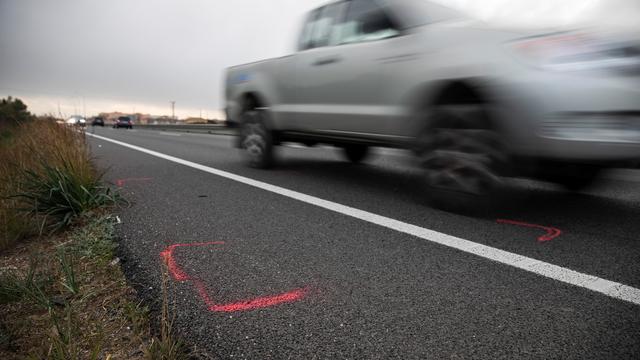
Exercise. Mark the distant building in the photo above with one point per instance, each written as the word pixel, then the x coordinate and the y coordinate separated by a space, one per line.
pixel 137 118
pixel 199 120
pixel 195 120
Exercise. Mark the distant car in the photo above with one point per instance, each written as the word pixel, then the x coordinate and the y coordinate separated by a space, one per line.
pixel 123 122
pixel 98 121
pixel 76 120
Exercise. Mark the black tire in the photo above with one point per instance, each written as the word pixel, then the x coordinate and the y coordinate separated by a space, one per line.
pixel 463 158
pixel 355 152
pixel 256 139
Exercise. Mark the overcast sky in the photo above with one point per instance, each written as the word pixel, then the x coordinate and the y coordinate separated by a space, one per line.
pixel 138 55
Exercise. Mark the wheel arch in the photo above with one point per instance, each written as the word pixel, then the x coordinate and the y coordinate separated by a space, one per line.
pixel 244 100
pixel 252 99
pixel 457 91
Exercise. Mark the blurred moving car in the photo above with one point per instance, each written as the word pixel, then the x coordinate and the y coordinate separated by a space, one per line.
pixel 97 121
pixel 123 122
pixel 476 103
pixel 76 120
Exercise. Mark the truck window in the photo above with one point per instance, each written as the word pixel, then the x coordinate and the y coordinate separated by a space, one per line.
pixel 365 21
pixel 324 24
pixel 307 31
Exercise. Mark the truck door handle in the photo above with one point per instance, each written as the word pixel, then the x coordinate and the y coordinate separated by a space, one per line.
pixel 326 61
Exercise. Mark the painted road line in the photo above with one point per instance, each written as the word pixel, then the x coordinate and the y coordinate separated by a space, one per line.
pixel 609 288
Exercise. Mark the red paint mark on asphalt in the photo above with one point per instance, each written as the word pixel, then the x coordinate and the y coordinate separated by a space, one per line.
pixel 175 270
pixel 551 234
pixel 121 182
pixel 249 304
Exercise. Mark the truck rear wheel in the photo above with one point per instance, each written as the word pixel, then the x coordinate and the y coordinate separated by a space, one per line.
pixel 462 156
pixel 256 140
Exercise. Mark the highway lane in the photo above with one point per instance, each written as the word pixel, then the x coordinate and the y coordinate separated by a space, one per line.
pixel 372 292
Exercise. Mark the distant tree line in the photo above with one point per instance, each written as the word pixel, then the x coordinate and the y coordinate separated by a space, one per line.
pixel 13 112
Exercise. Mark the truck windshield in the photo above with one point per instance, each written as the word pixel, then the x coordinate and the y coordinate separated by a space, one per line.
pixel 420 12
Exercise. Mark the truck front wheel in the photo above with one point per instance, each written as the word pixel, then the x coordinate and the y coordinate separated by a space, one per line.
pixel 256 140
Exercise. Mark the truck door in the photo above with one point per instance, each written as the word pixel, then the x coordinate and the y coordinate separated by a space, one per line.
pixel 340 79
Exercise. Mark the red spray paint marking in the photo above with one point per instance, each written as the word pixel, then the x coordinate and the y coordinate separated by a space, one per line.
pixel 121 182
pixel 551 234
pixel 174 269
pixel 250 304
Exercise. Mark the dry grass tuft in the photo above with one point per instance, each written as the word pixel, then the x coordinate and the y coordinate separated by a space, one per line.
pixel 167 346
pixel 47 179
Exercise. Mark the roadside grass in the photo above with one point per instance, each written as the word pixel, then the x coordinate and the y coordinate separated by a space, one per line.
pixel 47 179
pixel 75 301
pixel 76 304
pixel 62 292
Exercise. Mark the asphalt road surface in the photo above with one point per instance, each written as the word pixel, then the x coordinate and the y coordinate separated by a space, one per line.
pixel 319 258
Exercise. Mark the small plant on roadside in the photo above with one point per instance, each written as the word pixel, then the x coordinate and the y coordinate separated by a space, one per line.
pixel 10 287
pixel 30 286
pixel 95 239
pixel 67 261
pixel 138 315
pixel 59 196
pixel 6 337
pixel 62 340
pixel 168 346
pixel 65 340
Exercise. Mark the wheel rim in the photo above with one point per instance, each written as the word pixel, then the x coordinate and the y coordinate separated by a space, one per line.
pixel 254 142
pixel 460 151
pixel 254 138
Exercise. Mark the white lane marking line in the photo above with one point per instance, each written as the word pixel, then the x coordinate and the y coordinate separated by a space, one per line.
pixel 169 133
pixel 208 135
pixel 594 283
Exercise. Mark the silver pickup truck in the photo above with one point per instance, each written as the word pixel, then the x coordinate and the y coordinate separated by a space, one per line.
pixel 475 103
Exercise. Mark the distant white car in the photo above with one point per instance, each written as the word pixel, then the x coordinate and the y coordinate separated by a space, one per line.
pixel 76 120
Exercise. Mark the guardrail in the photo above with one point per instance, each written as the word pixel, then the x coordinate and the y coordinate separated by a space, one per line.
pixel 190 128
